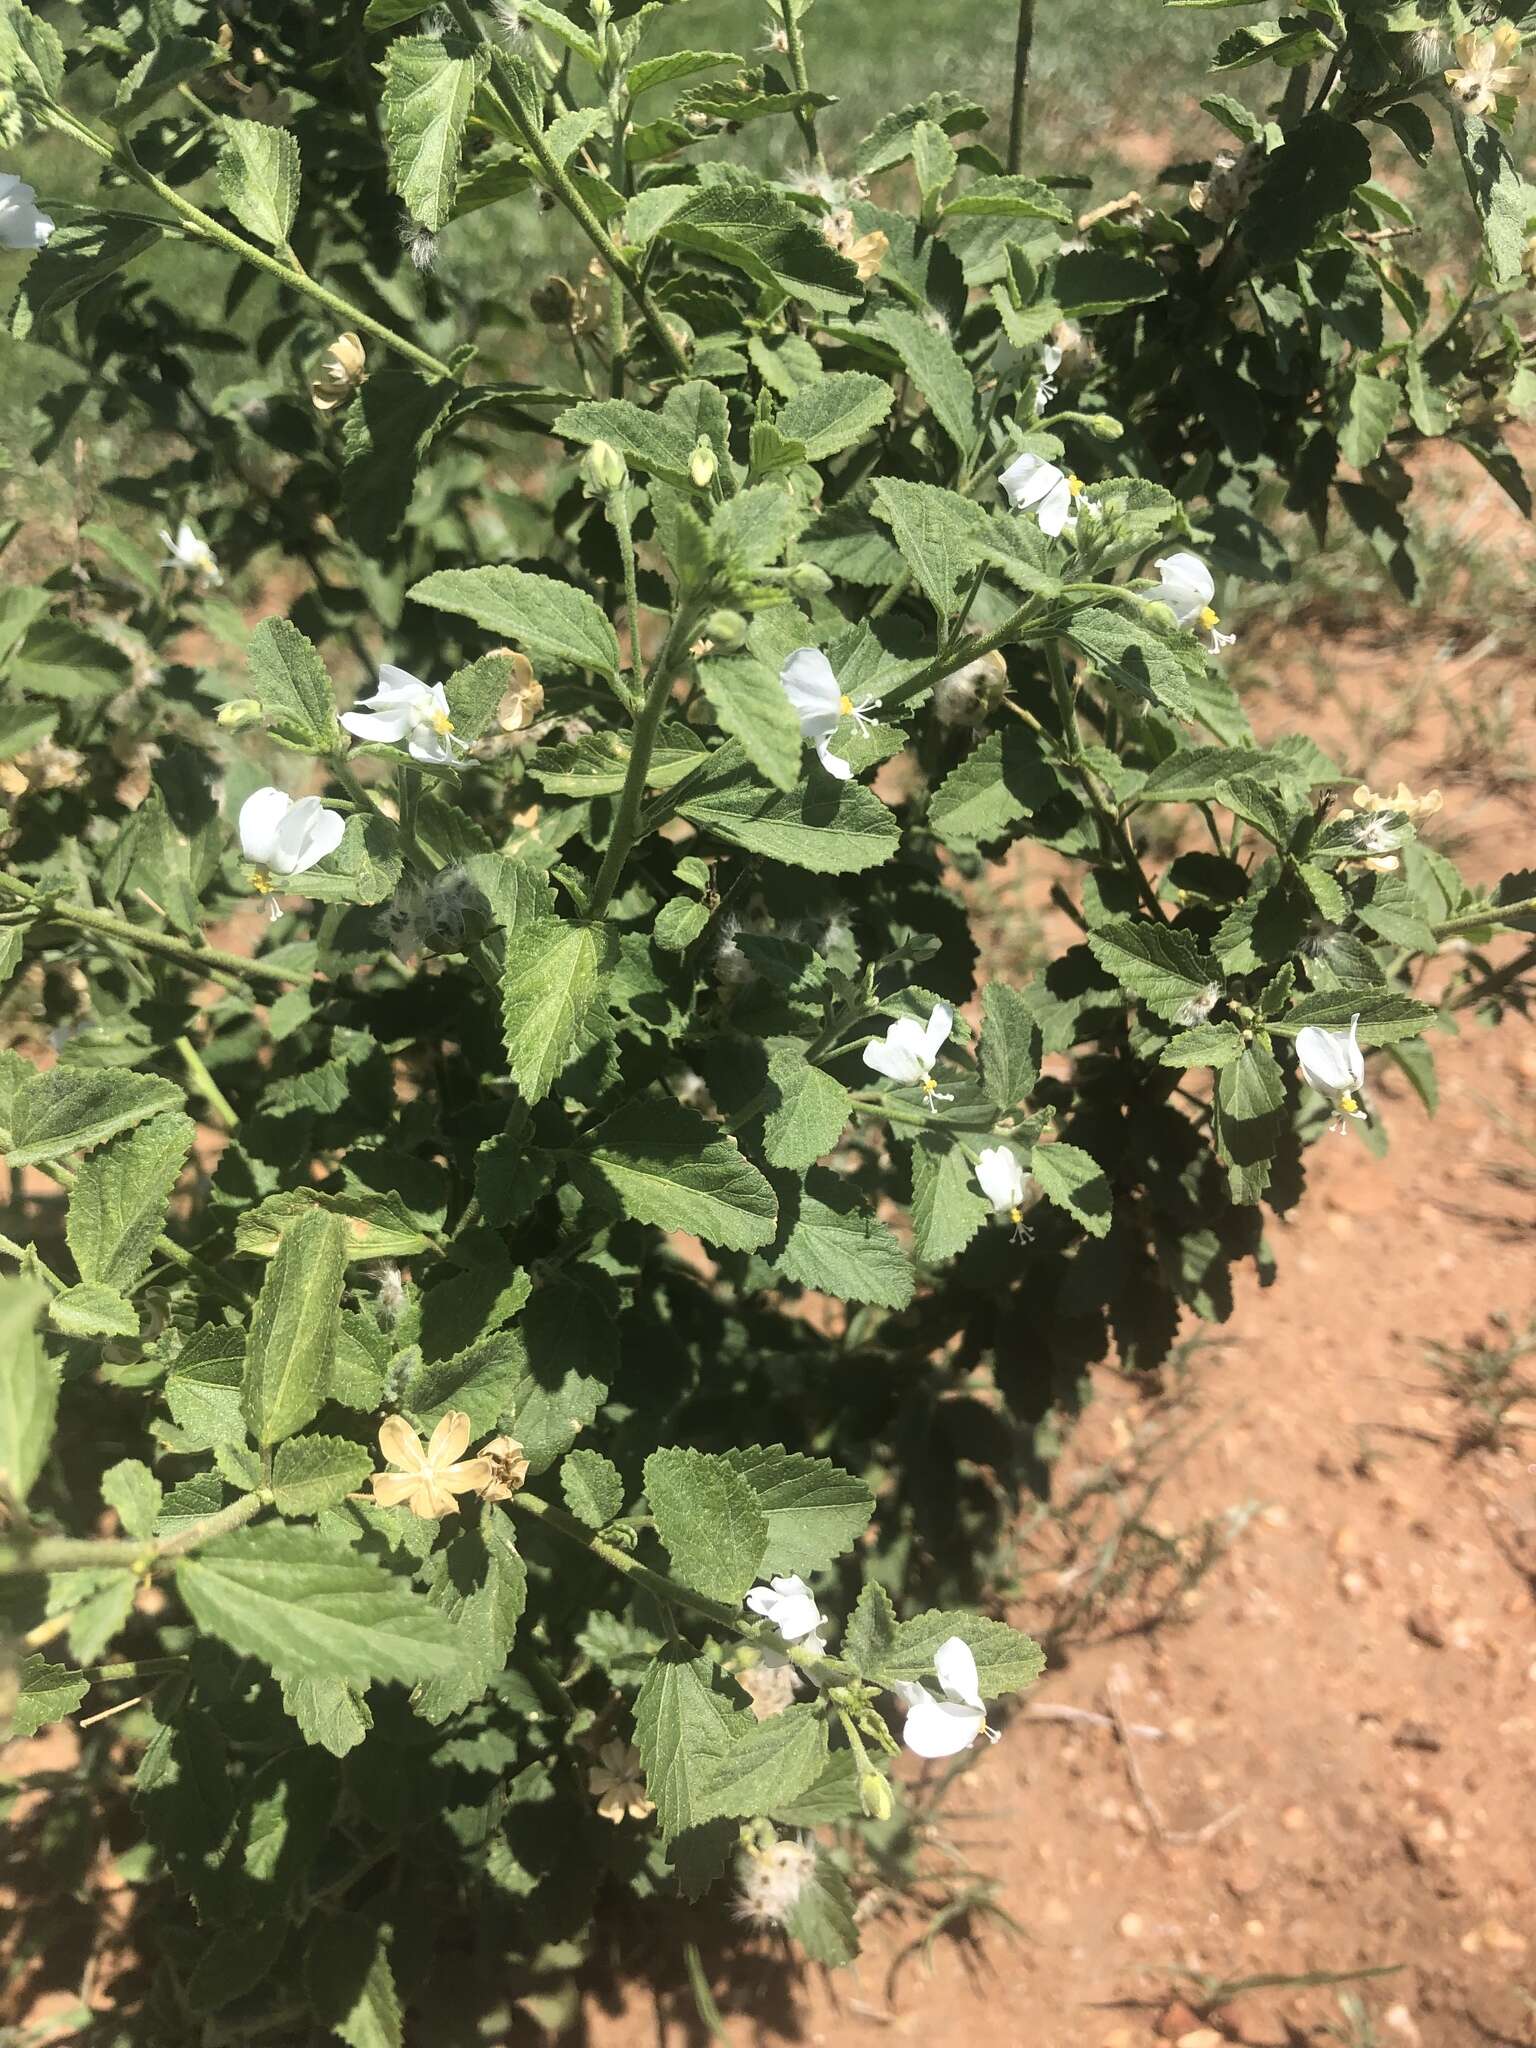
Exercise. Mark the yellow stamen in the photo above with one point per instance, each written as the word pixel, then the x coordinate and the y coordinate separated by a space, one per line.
pixel 844 705
pixel 930 1086
pixel 1076 486
pixel 261 881
pixel 1209 619
pixel 442 724
pixel 1349 1105
pixel 1015 1215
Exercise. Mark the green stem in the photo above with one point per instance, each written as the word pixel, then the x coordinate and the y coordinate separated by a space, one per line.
pixel 795 44
pixel 31 1554
pixel 558 181
pixel 1491 913
pixel 660 1587
pixel 13 1250
pixel 1103 804
pixel 207 960
pixel 616 505
pixel 658 689
pixel 143 1667
pixel 211 230
pixel 1023 39
pixel 206 1086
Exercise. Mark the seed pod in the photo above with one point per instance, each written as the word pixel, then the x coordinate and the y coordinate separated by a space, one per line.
pixel 342 368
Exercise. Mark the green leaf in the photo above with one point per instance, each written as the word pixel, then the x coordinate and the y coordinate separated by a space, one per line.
pixel 674 65
pixel 202 1389
pixel 331 1715
pixel 750 703
pixel 72 1109
pixel 173 60
pixel 593 1487
pixel 429 88
pixel 258 173
pixel 769 1764
pixel 815 1510
pixel 1137 657
pixel 1100 281
pixel 547 990
pixel 294 1328
pixel 1076 1182
pixel 1302 185
pixel 832 413
pixel 1369 417
pixel 553 622
pixel 936 367
pixel 890 141
pixel 29 1387
pixel 350 1985
pixel 314 1472
pixel 1003 780
pixel 708 1517
pixel 870 1637
pixel 79 256
pixel 1007 1660
pixel 678 923
pixel 377 1225
pixel 809 1115
pixel 836 1246
pixel 833 828
pixel 682 1727
pixel 290 683
pixel 1010 1046
pixel 822 1921
pixel 1500 194
pixel 756 230
pixel 310 1608
pixel 133 1490
pixel 1162 967
pixel 482 1381
pixel 45 1692
pixel 1007 198
pixel 91 1311
pixel 939 534
pixel 948 1208
pixel 118 1203
pixel 670 1168
pixel 1205 1045
pixel 1249 1120
pixel 648 441
pixel 1384 1015
pixel 481 1583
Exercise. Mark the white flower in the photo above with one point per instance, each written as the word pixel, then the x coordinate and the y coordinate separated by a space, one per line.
pixel 820 703
pixel 790 1605
pixel 281 838
pixel 1333 1064
pixel 1035 485
pixel 188 550
pixel 1187 589
pixel 770 1878
pixel 405 708
pixel 908 1050
pixel 21 225
pixel 936 1728
pixel 1050 363
pixel 1006 1185
pixel 1488 66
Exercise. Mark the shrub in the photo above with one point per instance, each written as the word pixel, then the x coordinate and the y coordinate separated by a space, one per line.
pixel 618 1208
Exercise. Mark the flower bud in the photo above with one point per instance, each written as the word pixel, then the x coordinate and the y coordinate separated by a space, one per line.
pixel 702 464
pixel 726 630
pixel 875 1795
pixel 603 470
pixel 805 579
pixel 341 370
pixel 238 713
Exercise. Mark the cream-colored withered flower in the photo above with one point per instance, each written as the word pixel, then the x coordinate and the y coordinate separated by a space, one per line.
pixel 865 252
pixel 1486 66
pixel 428 1475
pixel 508 1468
pixel 342 368
pixel 616 1783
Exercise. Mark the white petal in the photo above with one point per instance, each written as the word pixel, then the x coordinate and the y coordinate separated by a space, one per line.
pixel 1029 480
pixel 939 1728
pixel 399 682
pixel 896 1061
pixel 1001 1178
pixel 427 745
pixel 307 835
pixel 391 726
pixel 1330 1061
pixel 810 686
pixel 941 1021
pixel 911 1692
pixel 260 816
pixel 956 1668
pixel 1055 512
pixel 839 769
pixel 1187 572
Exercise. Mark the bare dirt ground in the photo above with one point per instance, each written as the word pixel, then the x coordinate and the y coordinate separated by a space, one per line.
pixel 1347 1698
